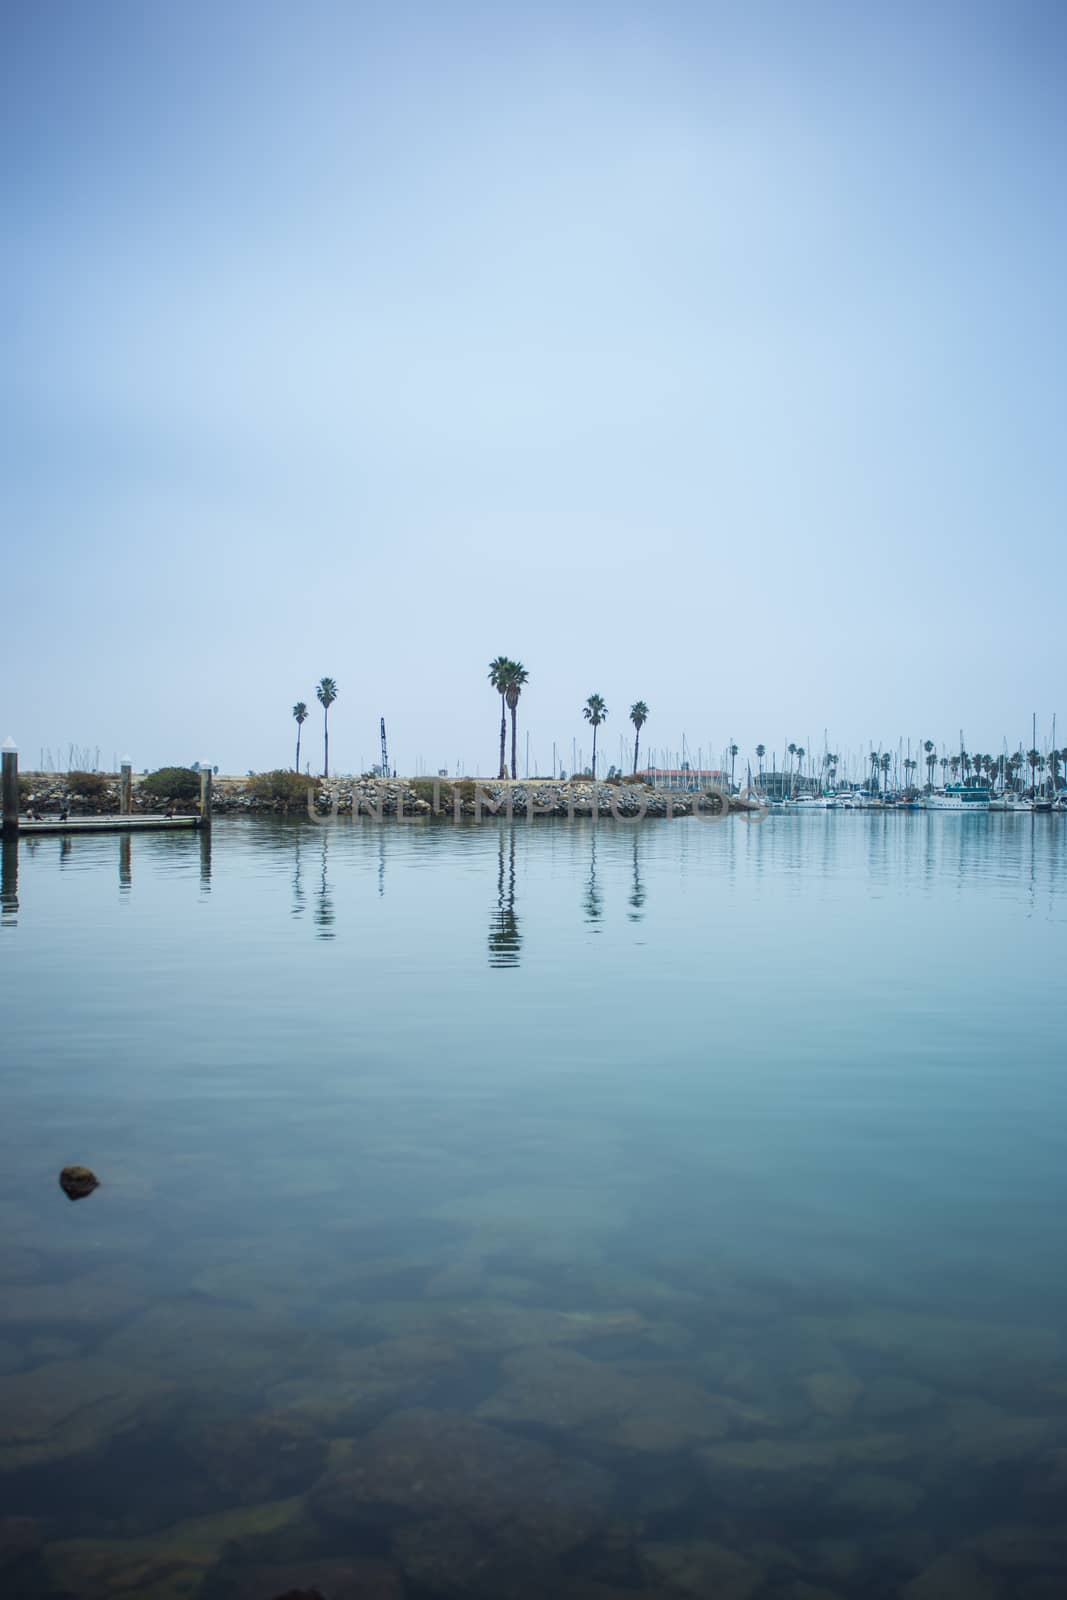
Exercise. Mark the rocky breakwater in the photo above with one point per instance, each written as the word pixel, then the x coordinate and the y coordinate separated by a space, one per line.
pixel 474 798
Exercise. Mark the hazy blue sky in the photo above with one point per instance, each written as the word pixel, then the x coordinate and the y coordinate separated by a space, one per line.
pixel 712 355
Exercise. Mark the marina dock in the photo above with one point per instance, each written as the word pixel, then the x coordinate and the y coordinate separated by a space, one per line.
pixel 116 824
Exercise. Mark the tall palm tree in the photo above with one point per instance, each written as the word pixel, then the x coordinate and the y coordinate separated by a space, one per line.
pixel 594 711
pixel 1034 760
pixel 761 751
pixel 887 762
pixel 516 677
pixel 638 716
pixel 801 753
pixel 499 669
pixel 732 752
pixel 300 712
pixel 875 764
pixel 943 763
pixel 326 694
pixel 931 761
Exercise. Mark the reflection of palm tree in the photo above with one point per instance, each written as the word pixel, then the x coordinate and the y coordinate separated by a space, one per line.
pixel 298 887
pixel 594 909
pixel 637 893
pixel 505 940
pixel 324 904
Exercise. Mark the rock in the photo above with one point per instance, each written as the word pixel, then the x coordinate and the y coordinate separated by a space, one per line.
pixel 78 1182
pixel 558 1388
pixel 19 1537
pixel 437 1464
pixel 356 1386
pixel 870 1496
pixel 955 1576
pixel 79 1303
pixel 167 1565
pixel 249 1460
pixel 699 1568
pixel 67 1408
pixel 895 1397
pixel 833 1394
pixel 767 1474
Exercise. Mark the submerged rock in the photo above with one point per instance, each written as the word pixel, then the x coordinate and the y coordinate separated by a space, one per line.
pixel 78 1182
pixel 701 1569
pixel 422 1464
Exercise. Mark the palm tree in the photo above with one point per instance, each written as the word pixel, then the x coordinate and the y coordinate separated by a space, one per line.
pixel 801 753
pixel 498 677
pixel 1034 759
pixel 732 752
pixel 875 762
pixel 931 762
pixel 517 676
pixel 300 712
pixel 909 767
pixel 954 767
pixel 943 763
pixel 887 761
pixel 761 751
pixel 638 716
pixel 326 694
pixel 594 711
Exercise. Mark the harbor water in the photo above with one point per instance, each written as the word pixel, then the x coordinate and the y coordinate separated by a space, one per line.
pixel 551 1209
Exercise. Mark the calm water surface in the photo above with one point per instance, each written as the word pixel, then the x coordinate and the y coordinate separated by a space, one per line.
pixel 549 1210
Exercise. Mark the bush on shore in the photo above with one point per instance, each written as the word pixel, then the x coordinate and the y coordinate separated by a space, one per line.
pixel 171 783
pixel 88 785
pixel 281 788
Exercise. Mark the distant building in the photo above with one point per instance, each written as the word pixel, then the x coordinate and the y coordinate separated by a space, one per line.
pixel 683 777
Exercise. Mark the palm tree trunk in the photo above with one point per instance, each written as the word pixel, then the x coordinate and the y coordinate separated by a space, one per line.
pixel 514 714
pixel 637 737
pixel 503 738
pixel 326 744
pixel 594 752
pixel 298 748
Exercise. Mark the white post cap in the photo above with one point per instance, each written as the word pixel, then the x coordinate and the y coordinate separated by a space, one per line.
pixel 10 747
pixel 124 761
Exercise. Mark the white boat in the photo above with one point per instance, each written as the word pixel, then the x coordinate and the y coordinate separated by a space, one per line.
pixel 958 797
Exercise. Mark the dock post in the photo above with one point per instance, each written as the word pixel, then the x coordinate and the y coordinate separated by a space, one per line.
pixel 125 787
pixel 10 790
pixel 205 796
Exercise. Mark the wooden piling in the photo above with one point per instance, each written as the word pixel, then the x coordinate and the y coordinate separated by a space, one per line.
pixel 10 785
pixel 205 796
pixel 125 787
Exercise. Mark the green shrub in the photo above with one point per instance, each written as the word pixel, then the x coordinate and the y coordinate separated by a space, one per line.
pixel 171 783
pixel 88 785
pixel 431 789
pixel 281 788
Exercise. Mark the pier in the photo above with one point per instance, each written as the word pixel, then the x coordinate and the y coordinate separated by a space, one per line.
pixel 14 824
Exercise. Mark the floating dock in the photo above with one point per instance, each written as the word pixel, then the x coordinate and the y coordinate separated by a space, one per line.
pixel 120 824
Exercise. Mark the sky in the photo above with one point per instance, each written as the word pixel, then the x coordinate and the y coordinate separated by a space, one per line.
pixel 710 355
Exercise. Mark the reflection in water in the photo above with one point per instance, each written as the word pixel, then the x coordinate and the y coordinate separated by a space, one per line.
pixel 66 845
pixel 594 901
pixel 324 913
pixel 637 892
pixel 205 860
pixel 9 885
pixel 298 887
pixel 125 863
pixel 505 940
pixel 381 865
